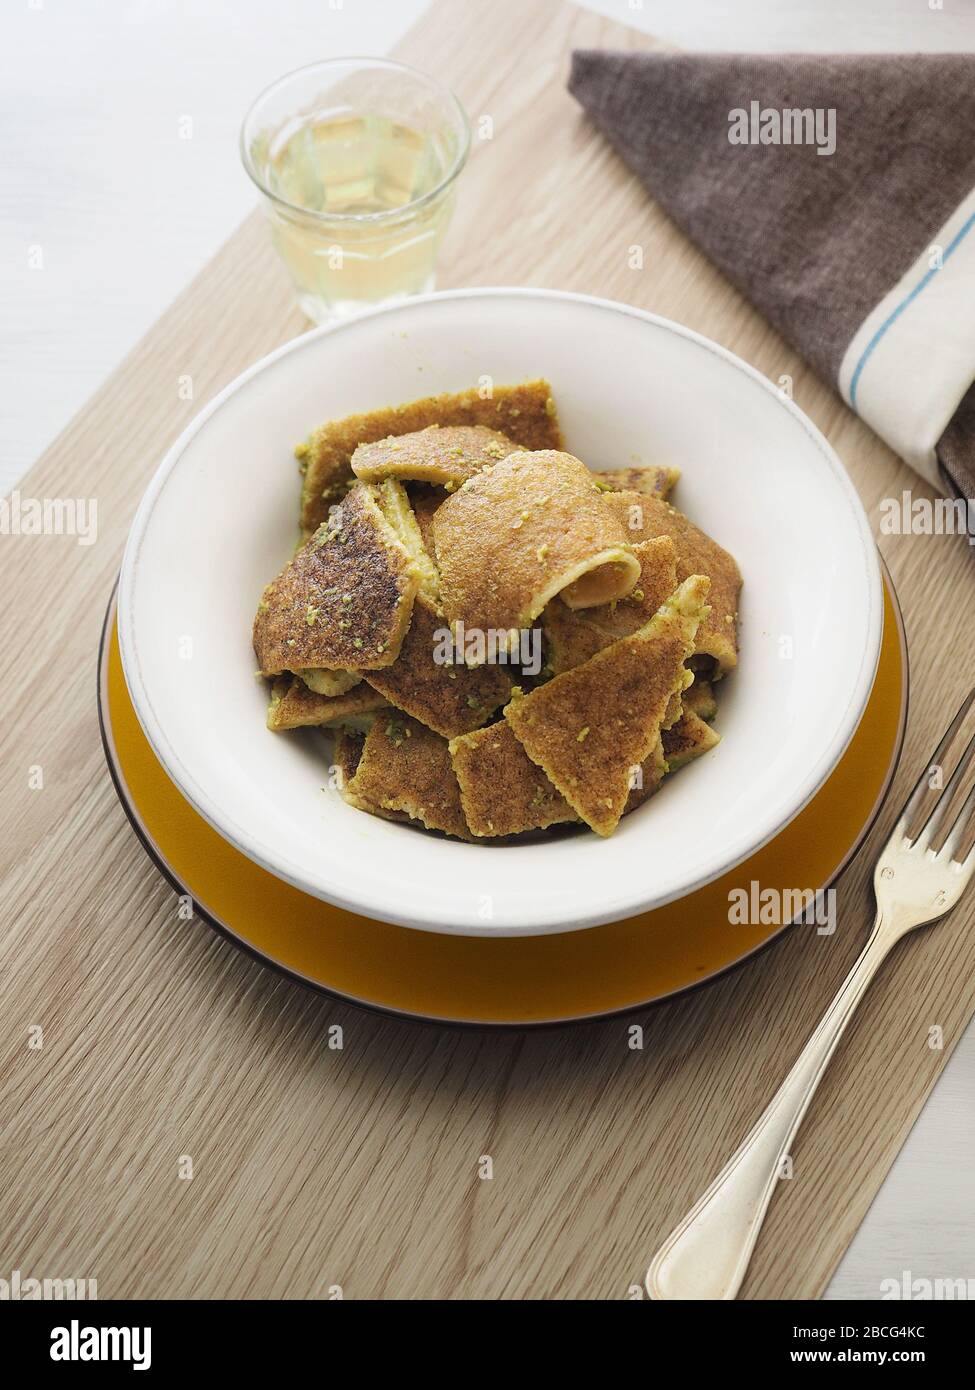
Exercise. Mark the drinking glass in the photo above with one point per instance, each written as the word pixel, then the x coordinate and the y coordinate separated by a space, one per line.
pixel 357 161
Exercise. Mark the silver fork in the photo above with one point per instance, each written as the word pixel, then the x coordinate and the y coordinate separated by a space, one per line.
pixel 707 1255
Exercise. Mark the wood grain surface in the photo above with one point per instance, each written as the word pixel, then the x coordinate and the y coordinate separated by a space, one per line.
pixel 358 1168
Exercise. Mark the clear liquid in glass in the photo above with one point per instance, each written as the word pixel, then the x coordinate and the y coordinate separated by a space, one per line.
pixel 338 172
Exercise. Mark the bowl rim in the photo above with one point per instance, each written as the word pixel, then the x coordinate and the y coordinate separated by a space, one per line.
pixel 367 901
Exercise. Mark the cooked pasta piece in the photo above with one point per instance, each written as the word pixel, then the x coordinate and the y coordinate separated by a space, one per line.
pixel 294 706
pixel 689 738
pixel 451 699
pixel 325 682
pixel 501 790
pixel 344 601
pixel 645 779
pixel 524 414
pixel 396 507
pixel 588 727
pixel 699 699
pixel 349 743
pixel 652 481
pixel 574 635
pixel 405 768
pixel 697 553
pixel 447 455
pixel 522 531
pixel 347 751
pixel 570 641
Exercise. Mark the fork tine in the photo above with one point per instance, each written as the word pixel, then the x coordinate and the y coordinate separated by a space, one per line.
pixel 960 825
pixel 939 810
pixel 917 795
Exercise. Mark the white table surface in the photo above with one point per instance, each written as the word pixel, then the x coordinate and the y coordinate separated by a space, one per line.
pixel 95 171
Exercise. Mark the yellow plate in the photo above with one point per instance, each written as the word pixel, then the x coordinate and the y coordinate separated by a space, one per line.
pixel 515 981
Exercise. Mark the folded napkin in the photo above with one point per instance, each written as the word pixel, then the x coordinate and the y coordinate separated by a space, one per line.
pixel 838 193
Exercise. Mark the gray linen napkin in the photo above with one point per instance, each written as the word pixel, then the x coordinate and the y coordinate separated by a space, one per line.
pixel 838 193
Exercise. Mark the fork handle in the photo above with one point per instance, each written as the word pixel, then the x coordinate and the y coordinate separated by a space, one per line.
pixel 707 1255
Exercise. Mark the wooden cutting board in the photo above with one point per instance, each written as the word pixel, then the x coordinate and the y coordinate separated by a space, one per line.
pixel 315 1167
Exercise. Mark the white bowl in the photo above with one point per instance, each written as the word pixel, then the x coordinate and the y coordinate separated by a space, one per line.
pixel 219 520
